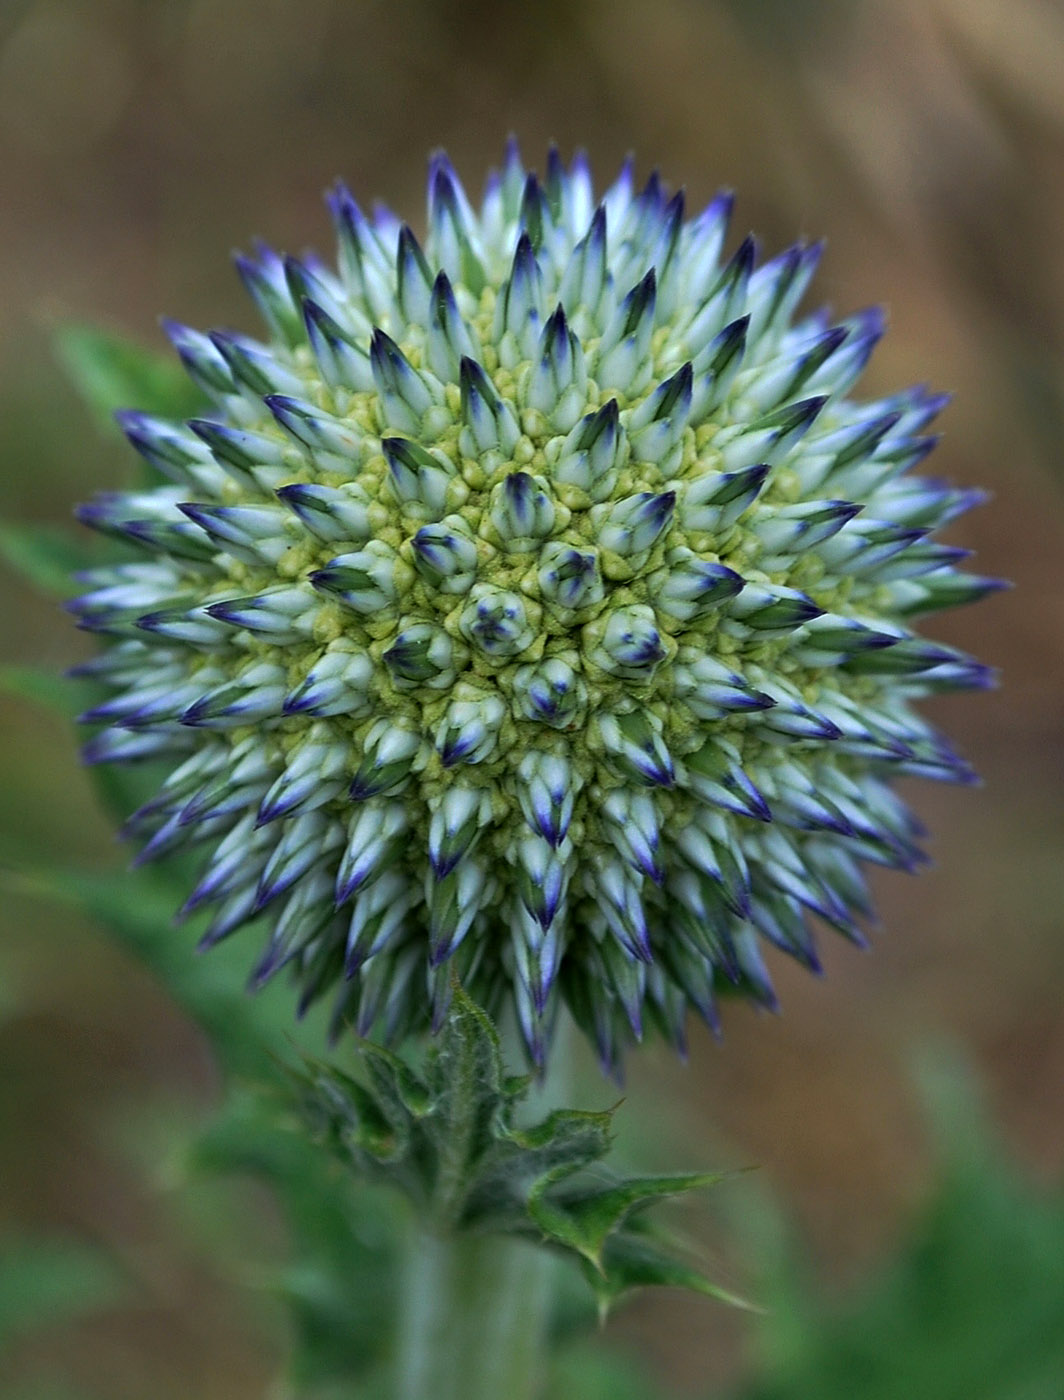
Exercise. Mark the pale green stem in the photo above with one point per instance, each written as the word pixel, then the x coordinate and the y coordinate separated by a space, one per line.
pixel 474 1307
pixel 474 1318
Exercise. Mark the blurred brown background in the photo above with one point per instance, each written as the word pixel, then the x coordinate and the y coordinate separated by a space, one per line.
pixel 141 139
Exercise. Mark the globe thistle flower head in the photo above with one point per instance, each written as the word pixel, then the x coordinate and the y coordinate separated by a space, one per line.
pixel 533 604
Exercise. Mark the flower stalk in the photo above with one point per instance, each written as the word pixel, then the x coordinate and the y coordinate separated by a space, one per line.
pixel 474 1305
pixel 473 1317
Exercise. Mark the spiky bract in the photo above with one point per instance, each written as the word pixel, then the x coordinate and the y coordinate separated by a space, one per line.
pixel 533 604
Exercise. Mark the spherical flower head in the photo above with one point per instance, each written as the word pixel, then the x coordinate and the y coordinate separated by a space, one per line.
pixel 532 605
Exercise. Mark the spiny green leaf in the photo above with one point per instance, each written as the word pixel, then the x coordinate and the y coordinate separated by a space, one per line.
pixel 395 1082
pixel 633 1261
pixel 348 1115
pixel 111 372
pixel 447 1139
pixel 573 1135
pixel 585 1221
pixel 564 1142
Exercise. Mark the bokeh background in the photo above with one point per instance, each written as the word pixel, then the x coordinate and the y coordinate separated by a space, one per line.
pixel 140 140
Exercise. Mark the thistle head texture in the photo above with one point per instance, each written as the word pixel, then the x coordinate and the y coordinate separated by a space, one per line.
pixel 535 604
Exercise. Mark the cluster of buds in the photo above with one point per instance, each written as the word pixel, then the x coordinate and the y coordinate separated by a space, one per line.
pixel 532 604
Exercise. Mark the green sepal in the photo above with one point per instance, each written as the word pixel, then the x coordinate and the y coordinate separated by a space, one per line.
pixel 447 1135
pixel 396 1084
pixel 348 1119
pixel 567 1139
pixel 584 1220
pixel 632 1260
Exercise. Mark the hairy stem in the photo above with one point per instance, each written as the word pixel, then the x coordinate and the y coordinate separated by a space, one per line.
pixel 474 1307
pixel 474 1318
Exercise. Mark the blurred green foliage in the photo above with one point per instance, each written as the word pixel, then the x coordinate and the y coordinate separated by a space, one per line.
pixel 45 1282
pixel 968 1306
pixel 111 372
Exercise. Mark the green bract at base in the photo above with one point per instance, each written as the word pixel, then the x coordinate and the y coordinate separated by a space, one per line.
pixel 449 1139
